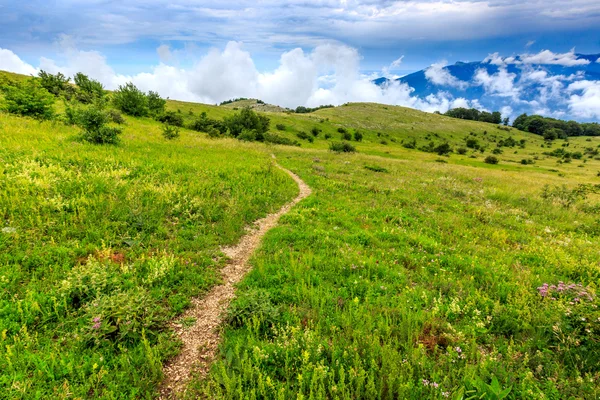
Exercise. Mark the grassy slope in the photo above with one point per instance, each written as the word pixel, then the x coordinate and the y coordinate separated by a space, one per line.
pixel 126 234
pixel 428 254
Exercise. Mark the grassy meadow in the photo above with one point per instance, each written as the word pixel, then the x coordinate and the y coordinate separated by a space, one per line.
pixel 406 274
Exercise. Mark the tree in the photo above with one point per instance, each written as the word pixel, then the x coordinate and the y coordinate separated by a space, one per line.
pixel 131 100
pixel 156 104
pixel 247 120
pixel 505 121
pixel 573 129
pixel 521 122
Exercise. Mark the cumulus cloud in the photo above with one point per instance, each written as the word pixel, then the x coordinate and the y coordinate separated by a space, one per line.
pixel 585 98
pixel 9 61
pixel 547 57
pixel 439 75
pixel 164 53
pixel 327 75
pixel 501 84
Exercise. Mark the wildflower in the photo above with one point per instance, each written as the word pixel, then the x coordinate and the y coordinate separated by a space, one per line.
pixel 458 349
pixel 96 319
pixel 425 382
pixel 446 394
pixel 96 326
pixel 435 385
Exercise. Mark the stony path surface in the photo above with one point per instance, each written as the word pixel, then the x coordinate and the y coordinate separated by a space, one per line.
pixel 200 342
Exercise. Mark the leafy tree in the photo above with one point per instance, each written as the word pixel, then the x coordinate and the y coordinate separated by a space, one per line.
pixel 170 132
pixel 55 84
pixel 156 104
pixel 520 122
pixel 94 121
pixel 171 118
pixel 358 136
pixel 205 124
pixel 89 89
pixel 28 98
pixel 248 120
pixel 130 100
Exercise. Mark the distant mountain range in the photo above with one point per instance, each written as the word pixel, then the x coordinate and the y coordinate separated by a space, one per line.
pixel 565 86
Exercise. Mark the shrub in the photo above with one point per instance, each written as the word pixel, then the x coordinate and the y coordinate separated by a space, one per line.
pixel 93 121
pixel 280 127
pixel 247 135
pixel 412 144
pixel 89 89
pixel 130 100
pixel 342 130
pixel 346 136
pixel 28 99
pixel 376 168
pixel 443 149
pixel 302 135
pixel 276 139
pixel 472 143
pixel 115 116
pixel 528 161
pixel 54 84
pixel 497 150
pixel 384 142
pixel 342 147
pixel 170 132
pixel 327 136
pixel 491 160
pixel 461 150
pixel 358 136
pixel 247 119
pixel 315 131
pixel 213 132
pixel 156 104
pixel 204 124
pixel 171 118
pixel 253 308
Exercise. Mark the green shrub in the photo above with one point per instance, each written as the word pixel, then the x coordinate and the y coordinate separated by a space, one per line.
pixel 247 135
pixel 115 116
pixel 443 149
pixel 204 124
pixel 247 119
pixel 342 147
pixel 170 132
pixel 491 160
pixel 253 308
pixel 28 98
pixel 93 121
pixel 130 100
pixel 171 118
pixel 376 168
pixel 358 136
pixel 156 104
pixel 472 143
pixel 342 130
pixel 303 135
pixel 461 150
pixel 54 84
pixel 346 136
pixel 327 136
pixel 497 150
pixel 527 161
pixel 412 144
pixel 280 127
pixel 315 131
pixel 213 132
pixel 276 139
pixel 89 89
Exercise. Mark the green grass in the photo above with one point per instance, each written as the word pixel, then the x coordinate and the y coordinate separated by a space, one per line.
pixel 123 234
pixel 403 269
pixel 380 283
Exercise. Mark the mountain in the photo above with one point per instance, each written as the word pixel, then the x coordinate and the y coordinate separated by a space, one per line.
pixel 558 85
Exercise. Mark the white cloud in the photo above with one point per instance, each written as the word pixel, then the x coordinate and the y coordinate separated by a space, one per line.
pixel 9 61
pixel 506 111
pixel 502 83
pixel 568 59
pixel 585 98
pixel 439 75
pixel 529 44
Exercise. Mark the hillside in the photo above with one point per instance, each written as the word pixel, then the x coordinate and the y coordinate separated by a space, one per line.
pixel 406 273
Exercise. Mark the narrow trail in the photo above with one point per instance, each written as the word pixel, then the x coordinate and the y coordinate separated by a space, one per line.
pixel 200 342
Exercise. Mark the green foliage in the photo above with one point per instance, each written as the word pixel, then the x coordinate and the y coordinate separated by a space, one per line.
pixel 54 84
pixel 276 139
pixel 472 143
pixel 346 136
pixel 95 129
pixel 305 110
pixel 461 151
pixel 29 99
pixel 376 168
pixel 130 100
pixel 443 149
pixel 411 144
pixel 115 116
pixel 342 147
pixel 358 136
pixel 170 132
pixel 474 114
pixel 172 118
pixel 551 128
pixel 89 91
pixel 251 308
pixel 315 131
pixel 491 160
pixel 156 104
pixel 280 127
pixel 205 124
pixel 246 120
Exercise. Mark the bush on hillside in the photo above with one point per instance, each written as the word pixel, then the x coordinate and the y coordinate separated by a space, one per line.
pixel 358 136
pixel 280 127
pixel 315 131
pixel 346 135
pixel 130 100
pixel 276 139
pixel 156 104
pixel 89 90
pixel 115 116
pixel 94 123
pixel 170 132
pixel 29 99
pixel 246 120
pixel 170 118
pixel 491 160
pixel 443 149
pixel 205 124
pixel 54 84
pixel 342 147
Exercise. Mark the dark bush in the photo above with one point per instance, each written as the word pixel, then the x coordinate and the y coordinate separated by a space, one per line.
pixel 115 116
pixel 315 131
pixel 358 136
pixel 280 127
pixel 342 147
pixel 89 89
pixel 171 118
pixel 346 136
pixel 156 104
pixel 461 150
pixel 491 160
pixel 204 124
pixel 247 119
pixel 342 130
pixel 412 144
pixel 443 149
pixel 276 139
pixel 93 121
pixel 303 135
pixel 54 84
pixel 327 136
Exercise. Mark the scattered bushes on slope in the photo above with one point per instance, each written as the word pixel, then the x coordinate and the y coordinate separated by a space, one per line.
pixel 342 147
pixel 29 99
pixel 130 100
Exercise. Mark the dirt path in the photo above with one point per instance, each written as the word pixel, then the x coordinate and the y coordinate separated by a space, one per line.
pixel 200 342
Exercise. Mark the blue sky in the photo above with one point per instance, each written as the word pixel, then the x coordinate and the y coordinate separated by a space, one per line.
pixel 311 52
pixel 128 32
